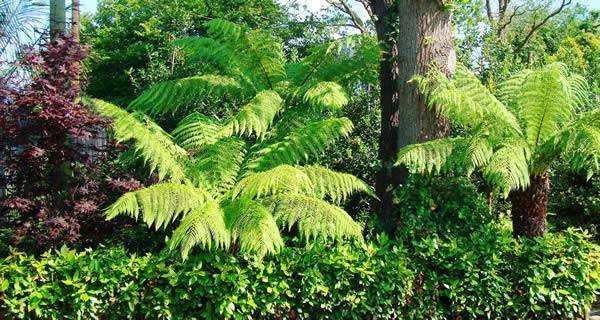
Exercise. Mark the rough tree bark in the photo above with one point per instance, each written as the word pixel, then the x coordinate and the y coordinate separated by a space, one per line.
pixel 75 20
pixel 530 207
pixel 416 35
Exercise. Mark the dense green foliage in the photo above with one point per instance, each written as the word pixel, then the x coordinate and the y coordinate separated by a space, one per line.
pixel 487 275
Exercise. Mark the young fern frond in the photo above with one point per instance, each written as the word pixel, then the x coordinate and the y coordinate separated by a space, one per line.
pixel 216 166
pixel 283 178
pixel 152 144
pixel 256 117
pixel 301 143
pixel 169 96
pixel 203 226
pixel 253 227
pixel 545 104
pixel 428 157
pixel 314 217
pixel 334 185
pixel 507 169
pixel 159 204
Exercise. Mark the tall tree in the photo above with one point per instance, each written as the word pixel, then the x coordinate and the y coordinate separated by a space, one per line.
pixel 415 36
pixel 75 20
pixel 57 18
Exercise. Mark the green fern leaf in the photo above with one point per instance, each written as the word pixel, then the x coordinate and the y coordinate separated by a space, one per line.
pixel 326 96
pixel 508 169
pixel 428 157
pixel 159 204
pixel 255 117
pixel 334 185
pixel 154 145
pixel 283 178
pixel 204 226
pixel 197 130
pixel 314 217
pixel 169 96
pixel 301 143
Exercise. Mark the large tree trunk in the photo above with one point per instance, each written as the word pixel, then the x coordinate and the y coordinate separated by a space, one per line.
pixel 530 207
pixel 75 20
pixel 424 40
pixel 57 18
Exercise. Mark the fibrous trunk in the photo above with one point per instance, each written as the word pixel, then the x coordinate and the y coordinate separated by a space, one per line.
pixel 530 207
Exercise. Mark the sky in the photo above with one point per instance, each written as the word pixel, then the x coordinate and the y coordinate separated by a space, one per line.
pixel 313 5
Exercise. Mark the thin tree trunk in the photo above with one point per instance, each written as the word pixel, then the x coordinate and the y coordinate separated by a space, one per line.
pixel 530 207
pixel 75 20
pixel 423 40
pixel 57 18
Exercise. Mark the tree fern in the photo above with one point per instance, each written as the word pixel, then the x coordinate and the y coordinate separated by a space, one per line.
pixel 236 181
pixel 511 138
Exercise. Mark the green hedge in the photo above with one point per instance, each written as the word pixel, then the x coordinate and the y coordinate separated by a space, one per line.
pixel 485 275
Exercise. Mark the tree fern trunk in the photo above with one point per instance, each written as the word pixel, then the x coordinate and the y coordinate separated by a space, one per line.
pixel 415 35
pixel 530 207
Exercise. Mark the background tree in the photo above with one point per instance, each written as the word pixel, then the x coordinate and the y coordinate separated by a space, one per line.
pixel 57 18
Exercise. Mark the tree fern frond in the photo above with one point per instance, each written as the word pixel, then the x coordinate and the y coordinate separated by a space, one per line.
pixel 159 204
pixel 478 153
pixel 314 217
pixel 464 99
pixel 508 169
pixel 334 185
pixel 266 57
pixel 169 96
pixel 326 96
pixel 283 178
pixel 204 226
pixel 256 116
pixel 428 157
pixel 253 227
pixel 197 130
pixel 545 104
pixel 510 89
pixel 152 144
pixel 224 30
pixel 301 143
pixel 216 166
pixel 579 89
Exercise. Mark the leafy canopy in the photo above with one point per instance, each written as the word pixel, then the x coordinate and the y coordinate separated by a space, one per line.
pixel 242 178
pixel 532 121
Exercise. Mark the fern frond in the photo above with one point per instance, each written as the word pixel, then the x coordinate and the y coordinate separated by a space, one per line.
pixel 464 100
pixel 169 96
pixel 216 166
pixel 204 226
pixel 428 157
pixel 334 185
pixel 477 154
pixel 314 217
pixel 253 227
pixel 545 104
pixel 152 144
pixel 579 143
pixel 256 116
pixel 509 90
pixel 224 30
pixel 197 130
pixel 508 169
pixel 159 204
pixel 283 178
pixel 301 143
pixel 326 96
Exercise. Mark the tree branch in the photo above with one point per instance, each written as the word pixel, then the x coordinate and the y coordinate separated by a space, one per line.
pixel 536 26
pixel 346 8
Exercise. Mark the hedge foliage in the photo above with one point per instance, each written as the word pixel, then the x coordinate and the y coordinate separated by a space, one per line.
pixel 485 275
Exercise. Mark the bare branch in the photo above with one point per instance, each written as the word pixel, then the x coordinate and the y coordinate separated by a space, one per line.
pixel 346 8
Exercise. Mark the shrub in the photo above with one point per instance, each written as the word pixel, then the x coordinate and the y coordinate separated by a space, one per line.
pixel 448 206
pixel 489 275
pixel 486 275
